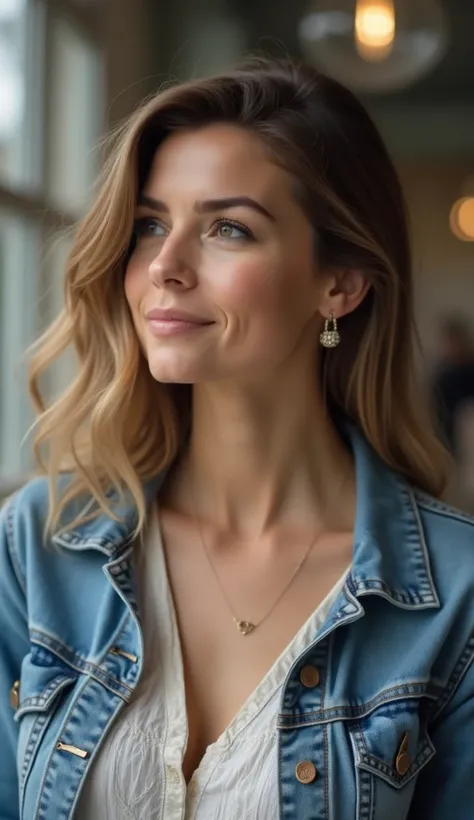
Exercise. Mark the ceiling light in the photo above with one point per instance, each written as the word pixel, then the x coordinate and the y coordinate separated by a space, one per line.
pixel 461 219
pixel 374 45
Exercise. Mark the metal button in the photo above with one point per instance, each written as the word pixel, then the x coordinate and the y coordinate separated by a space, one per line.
pixel 403 760
pixel 306 771
pixel 403 763
pixel 309 676
pixel 15 695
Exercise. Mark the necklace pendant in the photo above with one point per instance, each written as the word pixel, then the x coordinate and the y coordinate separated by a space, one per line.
pixel 244 627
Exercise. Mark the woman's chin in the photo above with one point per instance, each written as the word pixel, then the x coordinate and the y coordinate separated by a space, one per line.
pixel 174 372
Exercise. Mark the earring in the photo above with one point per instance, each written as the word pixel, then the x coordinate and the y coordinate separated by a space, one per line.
pixel 330 337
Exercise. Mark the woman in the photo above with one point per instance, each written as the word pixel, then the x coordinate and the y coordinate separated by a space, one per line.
pixel 233 593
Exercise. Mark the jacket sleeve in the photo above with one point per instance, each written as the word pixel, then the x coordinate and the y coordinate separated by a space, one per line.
pixel 445 787
pixel 14 645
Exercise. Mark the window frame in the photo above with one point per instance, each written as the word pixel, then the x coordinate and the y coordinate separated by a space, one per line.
pixel 29 200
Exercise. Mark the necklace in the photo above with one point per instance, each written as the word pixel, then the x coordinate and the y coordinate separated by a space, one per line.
pixel 247 627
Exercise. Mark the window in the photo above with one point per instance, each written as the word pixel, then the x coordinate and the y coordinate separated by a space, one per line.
pixel 51 116
pixel 14 70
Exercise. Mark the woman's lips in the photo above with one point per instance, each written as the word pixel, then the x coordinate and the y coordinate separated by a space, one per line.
pixel 172 327
pixel 171 321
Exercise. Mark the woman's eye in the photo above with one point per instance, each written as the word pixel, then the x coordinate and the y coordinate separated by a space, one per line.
pixel 147 226
pixel 232 230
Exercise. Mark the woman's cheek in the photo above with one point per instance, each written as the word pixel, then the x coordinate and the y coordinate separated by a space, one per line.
pixel 249 285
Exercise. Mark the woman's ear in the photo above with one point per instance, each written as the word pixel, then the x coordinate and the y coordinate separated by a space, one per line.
pixel 343 292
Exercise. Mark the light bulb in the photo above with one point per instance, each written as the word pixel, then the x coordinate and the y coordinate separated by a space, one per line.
pixel 462 219
pixel 374 28
pixel 374 45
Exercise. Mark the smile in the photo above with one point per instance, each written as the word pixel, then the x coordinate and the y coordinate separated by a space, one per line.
pixel 173 327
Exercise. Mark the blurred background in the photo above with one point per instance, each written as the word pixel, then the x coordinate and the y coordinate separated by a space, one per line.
pixel 71 69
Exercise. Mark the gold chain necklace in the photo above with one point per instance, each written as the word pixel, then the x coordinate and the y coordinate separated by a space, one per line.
pixel 246 627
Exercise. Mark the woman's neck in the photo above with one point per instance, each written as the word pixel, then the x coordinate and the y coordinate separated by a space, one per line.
pixel 261 458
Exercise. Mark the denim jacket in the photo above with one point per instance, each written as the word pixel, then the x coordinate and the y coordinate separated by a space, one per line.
pixel 385 731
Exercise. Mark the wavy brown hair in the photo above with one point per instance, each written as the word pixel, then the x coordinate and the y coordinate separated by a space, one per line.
pixel 115 427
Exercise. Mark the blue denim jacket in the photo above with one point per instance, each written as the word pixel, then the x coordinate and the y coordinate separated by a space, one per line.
pixel 388 731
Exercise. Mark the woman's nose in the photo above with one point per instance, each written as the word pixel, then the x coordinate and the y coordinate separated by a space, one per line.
pixel 170 268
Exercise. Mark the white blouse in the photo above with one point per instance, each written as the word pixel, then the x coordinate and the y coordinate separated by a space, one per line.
pixel 137 774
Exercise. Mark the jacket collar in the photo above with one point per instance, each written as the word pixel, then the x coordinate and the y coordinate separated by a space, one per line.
pixel 390 556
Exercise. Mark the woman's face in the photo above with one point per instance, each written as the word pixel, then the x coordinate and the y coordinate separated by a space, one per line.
pixel 220 238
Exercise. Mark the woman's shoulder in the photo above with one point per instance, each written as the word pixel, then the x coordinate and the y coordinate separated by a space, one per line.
pixel 24 514
pixel 30 502
pixel 32 495
pixel 449 541
pixel 437 513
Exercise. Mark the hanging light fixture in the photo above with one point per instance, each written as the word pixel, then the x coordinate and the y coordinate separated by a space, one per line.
pixel 374 45
pixel 461 217
pixel 374 29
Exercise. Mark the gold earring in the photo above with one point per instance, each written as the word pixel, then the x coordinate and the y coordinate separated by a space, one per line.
pixel 330 336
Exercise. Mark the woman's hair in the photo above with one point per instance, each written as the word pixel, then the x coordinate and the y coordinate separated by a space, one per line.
pixel 115 427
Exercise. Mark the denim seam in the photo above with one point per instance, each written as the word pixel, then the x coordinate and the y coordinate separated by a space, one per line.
pixel 47 695
pixel 287 721
pixel 93 755
pixel 110 545
pixel 460 669
pixel 80 665
pixel 370 584
pixel 280 774
pixel 326 771
pixel 328 645
pixel 38 807
pixel 439 508
pixel 386 770
pixel 424 546
pixel 15 561
pixel 364 780
pixel 36 733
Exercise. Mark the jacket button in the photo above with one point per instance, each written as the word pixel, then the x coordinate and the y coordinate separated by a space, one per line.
pixel 403 763
pixel 15 695
pixel 306 771
pixel 403 760
pixel 309 676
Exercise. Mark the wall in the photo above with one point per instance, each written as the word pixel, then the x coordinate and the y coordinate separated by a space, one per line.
pixel 444 266
pixel 134 40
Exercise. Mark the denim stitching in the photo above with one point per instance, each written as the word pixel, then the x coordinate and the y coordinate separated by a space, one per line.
pixel 430 504
pixel 423 545
pixel 39 808
pixel 112 546
pixel 122 575
pixel 93 754
pixel 30 747
pixel 387 772
pixel 370 584
pixel 465 659
pixel 407 691
pixel 45 697
pixel 34 739
pixel 11 547
pixel 364 781
pixel 37 731
pixel 326 772
pixel 80 665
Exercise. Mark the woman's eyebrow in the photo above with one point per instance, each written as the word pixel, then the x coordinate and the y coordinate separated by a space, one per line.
pixel 209 205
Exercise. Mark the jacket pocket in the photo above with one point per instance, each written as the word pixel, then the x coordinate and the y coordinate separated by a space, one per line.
pixel 41 691
pixel 391 745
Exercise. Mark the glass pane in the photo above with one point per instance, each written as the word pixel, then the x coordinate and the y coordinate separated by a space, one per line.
pixel 18 323
pixel 75 109
pixel 12 86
